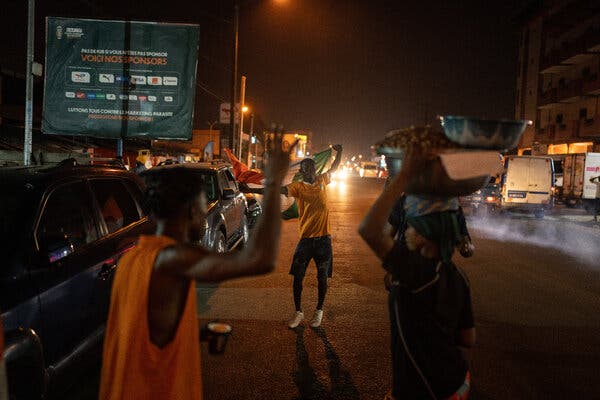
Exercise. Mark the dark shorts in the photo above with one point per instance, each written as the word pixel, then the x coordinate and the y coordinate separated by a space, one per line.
pixel 317 248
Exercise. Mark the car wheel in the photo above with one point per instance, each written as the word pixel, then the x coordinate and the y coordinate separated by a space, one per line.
pixel 539 214
pixel 220 245
pixel 245 232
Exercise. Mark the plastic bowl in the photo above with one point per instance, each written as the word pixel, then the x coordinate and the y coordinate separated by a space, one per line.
pixel 483 133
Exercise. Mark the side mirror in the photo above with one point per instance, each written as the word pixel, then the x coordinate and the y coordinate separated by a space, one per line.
pixel 228 194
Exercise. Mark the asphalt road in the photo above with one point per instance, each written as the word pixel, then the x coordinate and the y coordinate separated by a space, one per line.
pixel 536 298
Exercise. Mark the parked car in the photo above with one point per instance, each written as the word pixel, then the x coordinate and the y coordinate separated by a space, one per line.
pixel 254 209
pixel 63 229
pixel 486 199
pixel 227 219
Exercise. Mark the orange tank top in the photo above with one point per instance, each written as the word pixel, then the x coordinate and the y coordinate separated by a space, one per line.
pixel 1 340
pixel 132 366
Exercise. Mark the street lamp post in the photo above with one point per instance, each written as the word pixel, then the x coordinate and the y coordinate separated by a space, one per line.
pixel 236 27
pixel 252 141
pixel 243 109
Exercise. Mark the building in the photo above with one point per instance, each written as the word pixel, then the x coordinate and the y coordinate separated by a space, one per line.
pixel 558 78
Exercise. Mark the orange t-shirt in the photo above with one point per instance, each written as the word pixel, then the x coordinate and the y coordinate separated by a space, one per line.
pixel 312 206
pixel 132 366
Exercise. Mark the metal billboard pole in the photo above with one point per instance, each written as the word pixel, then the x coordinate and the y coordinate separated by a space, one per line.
pixel 27 144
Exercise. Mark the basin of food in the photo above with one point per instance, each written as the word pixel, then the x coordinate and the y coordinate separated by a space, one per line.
pixel 449 169
pixel 482 133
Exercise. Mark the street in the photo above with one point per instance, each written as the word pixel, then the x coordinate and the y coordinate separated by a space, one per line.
pixel 536 295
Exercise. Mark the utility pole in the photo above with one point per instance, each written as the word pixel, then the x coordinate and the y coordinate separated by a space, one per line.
pixel 242 102
pixel 234 74
pixel 27 145
pixel 251 154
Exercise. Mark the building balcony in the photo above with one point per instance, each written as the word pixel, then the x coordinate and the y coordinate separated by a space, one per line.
pixel 548 98
pixel 575 52
pixel 591 84
pixel 571 91
pixel 550 62
pixel 546 134
pixel 590 127
pixel 567 130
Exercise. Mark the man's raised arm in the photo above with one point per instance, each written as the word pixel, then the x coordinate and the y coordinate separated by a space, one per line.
pixel 338 158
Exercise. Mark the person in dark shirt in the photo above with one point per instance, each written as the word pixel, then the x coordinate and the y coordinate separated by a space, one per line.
pixel 430 303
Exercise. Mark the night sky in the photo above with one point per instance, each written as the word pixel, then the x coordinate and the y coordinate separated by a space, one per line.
pixel 348 70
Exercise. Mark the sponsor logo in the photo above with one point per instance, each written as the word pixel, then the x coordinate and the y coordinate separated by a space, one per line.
pixel 80 76
pixel 106 78
pixel 154 80
pixel 70 95
pixel 142 98
pixel 168 99
pixel 170 80
pixel 91 95
pixel 151 98
pixel 123 97
pixel 122 78
pixel 138 80
pixel 100 96
pixel 132 97
pixel 73 33
pixel 80 95
pixel 59 32
pixel 111 96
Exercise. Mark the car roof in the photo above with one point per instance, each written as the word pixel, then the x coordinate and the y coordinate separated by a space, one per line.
pixel 46 174
pixel 212 165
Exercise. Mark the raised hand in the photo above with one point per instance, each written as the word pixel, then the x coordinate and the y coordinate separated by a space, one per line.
pixel 278 161
pixel 337 147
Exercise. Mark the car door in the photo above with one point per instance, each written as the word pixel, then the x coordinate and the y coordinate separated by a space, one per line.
pixel 228 206
pixel 239 203
pixel 120 225
pixel 65 234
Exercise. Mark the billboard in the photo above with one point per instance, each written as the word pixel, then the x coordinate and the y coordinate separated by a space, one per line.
pixel 114 79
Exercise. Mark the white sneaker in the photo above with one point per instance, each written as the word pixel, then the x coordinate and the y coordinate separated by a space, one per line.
pixel 295 321
pixel 315 322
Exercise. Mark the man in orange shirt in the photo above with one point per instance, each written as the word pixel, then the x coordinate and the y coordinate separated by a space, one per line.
pixel 315 233
pixel 151 348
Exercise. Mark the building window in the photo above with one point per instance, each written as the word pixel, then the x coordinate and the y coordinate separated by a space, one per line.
pixel 583 113
pixel 559 119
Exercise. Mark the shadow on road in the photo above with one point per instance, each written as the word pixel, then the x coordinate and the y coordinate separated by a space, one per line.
pixel 307 381
pixel 204 291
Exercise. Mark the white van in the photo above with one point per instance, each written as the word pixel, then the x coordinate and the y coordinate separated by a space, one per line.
pixel 526 184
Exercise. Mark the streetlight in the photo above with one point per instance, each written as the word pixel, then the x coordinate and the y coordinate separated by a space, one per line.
pixel 236 29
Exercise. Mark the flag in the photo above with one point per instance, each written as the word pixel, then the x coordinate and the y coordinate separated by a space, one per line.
pixel 322 160
pixel 254 178
pixel 242 173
